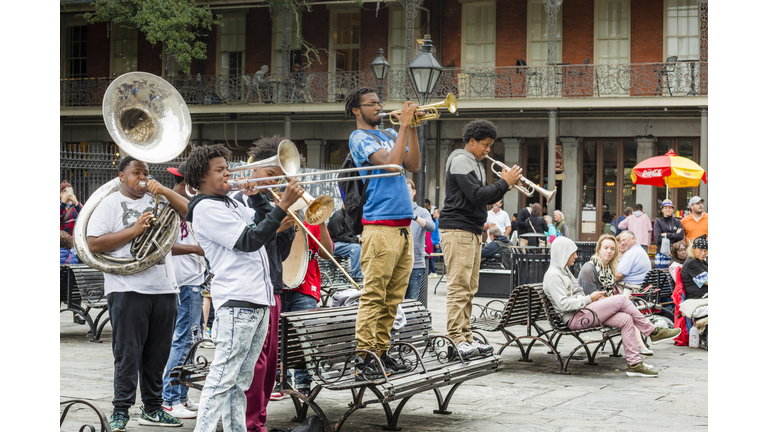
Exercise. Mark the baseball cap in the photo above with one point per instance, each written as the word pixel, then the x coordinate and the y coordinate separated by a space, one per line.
pixel 667 202
pixel 694 200
pixel 178 171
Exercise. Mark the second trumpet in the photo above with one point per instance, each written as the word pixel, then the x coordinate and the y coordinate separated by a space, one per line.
pixel 524 185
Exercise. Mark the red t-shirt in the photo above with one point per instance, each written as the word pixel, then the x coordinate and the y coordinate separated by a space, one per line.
pixel 311 283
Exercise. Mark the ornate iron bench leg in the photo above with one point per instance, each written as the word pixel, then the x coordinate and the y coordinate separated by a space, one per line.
pixel 443 404
pixel 103 422
pixel 97 334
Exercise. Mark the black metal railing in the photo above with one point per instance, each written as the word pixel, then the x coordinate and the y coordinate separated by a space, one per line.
pixel 683 78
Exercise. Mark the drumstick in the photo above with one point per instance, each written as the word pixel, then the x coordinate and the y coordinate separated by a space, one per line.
pixel 320 245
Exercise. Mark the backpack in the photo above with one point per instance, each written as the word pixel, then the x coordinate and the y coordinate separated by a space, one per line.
pixel 353 191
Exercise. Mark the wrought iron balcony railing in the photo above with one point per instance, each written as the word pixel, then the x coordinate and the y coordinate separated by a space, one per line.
pixel 564 80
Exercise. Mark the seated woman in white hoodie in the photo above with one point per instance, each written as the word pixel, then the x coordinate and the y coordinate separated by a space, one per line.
pixel 569 301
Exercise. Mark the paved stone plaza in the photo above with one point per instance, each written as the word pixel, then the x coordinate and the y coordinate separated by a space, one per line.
pixel 521 396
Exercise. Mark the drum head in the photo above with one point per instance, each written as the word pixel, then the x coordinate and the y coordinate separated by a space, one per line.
pixel 295 266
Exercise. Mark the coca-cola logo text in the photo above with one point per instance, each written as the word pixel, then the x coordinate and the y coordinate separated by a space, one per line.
pixel 651 173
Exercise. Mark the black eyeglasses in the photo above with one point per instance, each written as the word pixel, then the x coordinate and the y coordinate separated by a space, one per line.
pixel 373 104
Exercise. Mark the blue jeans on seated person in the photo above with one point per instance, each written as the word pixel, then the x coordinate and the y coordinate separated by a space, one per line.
pixel 190 309
pixel 414 284
pixel 239 335
pixel 294 301
pixel 351 250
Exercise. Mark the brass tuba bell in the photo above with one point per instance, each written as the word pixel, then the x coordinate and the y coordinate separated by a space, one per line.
pixel 149 120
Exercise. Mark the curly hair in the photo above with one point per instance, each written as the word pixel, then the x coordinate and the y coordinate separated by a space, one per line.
pixel 198 162
pixel 479 130
pixel 65 240
pixel 353 99
pixel 125 162
pixel 265 147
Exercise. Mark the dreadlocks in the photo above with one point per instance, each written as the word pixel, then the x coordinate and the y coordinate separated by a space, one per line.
pixel 265 147
pixel 198 162
pixel 353 99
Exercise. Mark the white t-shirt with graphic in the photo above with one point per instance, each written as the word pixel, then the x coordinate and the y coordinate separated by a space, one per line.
pixel 239 275
pixel 501 219
pixel 189 268
pixel 115 213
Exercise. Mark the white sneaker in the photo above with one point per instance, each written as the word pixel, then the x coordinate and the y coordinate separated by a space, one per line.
pixel 180 412
pixel 644 350
pixel 207 345
pixel 190 405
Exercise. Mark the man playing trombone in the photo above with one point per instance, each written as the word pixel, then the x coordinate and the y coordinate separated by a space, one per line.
pixel 461 227
pixel 387 253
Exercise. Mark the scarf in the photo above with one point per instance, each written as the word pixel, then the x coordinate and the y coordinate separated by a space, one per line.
pixel 604 274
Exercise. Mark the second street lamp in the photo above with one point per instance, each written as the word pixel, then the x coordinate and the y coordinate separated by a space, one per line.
pixel 424 73
pixel 380 68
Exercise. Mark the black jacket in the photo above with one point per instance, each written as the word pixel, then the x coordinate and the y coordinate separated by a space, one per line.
pixel 538 222
pixel 522 221
pixel 467 193
pixel 339 230
pixel 668 225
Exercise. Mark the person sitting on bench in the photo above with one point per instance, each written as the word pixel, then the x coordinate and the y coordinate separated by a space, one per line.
pixel 498 245
pixel 346 242
pixel 580 311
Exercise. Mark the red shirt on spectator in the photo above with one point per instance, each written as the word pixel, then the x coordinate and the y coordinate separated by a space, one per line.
pixel 311 283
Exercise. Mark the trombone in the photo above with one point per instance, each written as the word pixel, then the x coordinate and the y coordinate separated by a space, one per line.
pixel 431 112
pixel 529 187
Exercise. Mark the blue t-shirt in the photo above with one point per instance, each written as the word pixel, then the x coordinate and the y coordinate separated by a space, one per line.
pixel 436 233
pixel 634 264
pixel 386 198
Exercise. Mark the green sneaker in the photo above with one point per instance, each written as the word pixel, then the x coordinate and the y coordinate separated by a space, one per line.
pixel 118 421
pixel 159 418
pixel 638 370
pixel 662 334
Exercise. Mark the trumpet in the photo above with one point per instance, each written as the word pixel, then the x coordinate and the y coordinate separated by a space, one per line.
pixel 529 187
pixel 431 112
pixel 239 184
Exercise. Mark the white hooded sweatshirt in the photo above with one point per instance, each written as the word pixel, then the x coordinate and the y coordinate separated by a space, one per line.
pixel 559 284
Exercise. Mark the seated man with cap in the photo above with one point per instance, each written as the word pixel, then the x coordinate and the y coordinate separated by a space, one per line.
pixel 669 227
pixel 696 223
pixel 633 265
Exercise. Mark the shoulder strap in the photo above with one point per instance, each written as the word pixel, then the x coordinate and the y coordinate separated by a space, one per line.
pixel 373 135
pixel 386 132
pixel 68 258
pixel 532 227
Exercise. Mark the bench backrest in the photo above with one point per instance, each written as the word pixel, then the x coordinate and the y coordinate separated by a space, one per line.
pixel 554 318
pixel 321 340
pixel 90 284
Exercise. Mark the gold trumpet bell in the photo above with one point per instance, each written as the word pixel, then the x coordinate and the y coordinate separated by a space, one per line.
pixel 430 111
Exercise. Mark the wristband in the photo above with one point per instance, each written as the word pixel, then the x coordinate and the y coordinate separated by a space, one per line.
pixel 414 217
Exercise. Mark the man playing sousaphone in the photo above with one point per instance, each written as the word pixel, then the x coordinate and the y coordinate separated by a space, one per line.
pixel 142 306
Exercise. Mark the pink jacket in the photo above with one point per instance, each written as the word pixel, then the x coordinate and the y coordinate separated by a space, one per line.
pixel 640 224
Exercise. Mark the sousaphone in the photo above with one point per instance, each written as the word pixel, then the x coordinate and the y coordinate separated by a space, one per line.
pixel 149 120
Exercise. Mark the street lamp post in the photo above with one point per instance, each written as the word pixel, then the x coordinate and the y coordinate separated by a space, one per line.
pixel 380 68
pixel 424 73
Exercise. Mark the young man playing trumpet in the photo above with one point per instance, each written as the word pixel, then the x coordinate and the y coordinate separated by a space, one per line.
pixel 387 253
pixel 241 291
pixel 461 227
pixel 142 306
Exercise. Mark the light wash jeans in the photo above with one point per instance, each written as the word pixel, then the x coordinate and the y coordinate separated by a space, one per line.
pixel 239 335
pixel 190 309
pixel 414 284
pixel 351 250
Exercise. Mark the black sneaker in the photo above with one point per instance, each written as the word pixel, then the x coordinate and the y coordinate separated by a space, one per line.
pixel 390 363
pixel 305 391
pixel 367 369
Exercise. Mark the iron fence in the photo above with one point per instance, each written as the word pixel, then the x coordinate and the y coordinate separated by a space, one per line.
pixel 564 80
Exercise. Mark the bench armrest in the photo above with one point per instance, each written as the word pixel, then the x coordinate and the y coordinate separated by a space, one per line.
pixel 488 312
pixel 404 350
pixel 585 321
pixel 437 342
pixel 325 365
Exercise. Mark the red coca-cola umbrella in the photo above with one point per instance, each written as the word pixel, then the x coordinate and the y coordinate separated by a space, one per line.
pixel 669 170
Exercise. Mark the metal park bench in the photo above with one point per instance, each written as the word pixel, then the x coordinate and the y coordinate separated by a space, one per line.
pixel 323 342
pixel 528 304
pixel 331 278
pixel 83 285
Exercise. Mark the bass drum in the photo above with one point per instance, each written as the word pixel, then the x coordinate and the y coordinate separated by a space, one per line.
pixel 295 266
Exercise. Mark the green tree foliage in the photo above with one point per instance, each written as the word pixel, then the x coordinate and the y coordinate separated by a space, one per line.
pixel 177 24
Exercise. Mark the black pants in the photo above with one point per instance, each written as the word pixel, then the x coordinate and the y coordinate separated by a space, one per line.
pixel 142 332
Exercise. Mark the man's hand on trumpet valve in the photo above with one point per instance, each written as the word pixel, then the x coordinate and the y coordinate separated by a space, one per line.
pixel 293 193
pixel 512 175
pixel 406 116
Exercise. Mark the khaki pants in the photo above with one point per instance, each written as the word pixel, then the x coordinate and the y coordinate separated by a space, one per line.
pixel 386 259
pixel 461 251
pixel 523 242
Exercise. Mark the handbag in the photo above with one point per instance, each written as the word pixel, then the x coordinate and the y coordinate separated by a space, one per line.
pixel 542 243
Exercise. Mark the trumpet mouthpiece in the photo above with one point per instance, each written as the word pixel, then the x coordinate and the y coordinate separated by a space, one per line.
pixel 383 114
pixel 142 184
